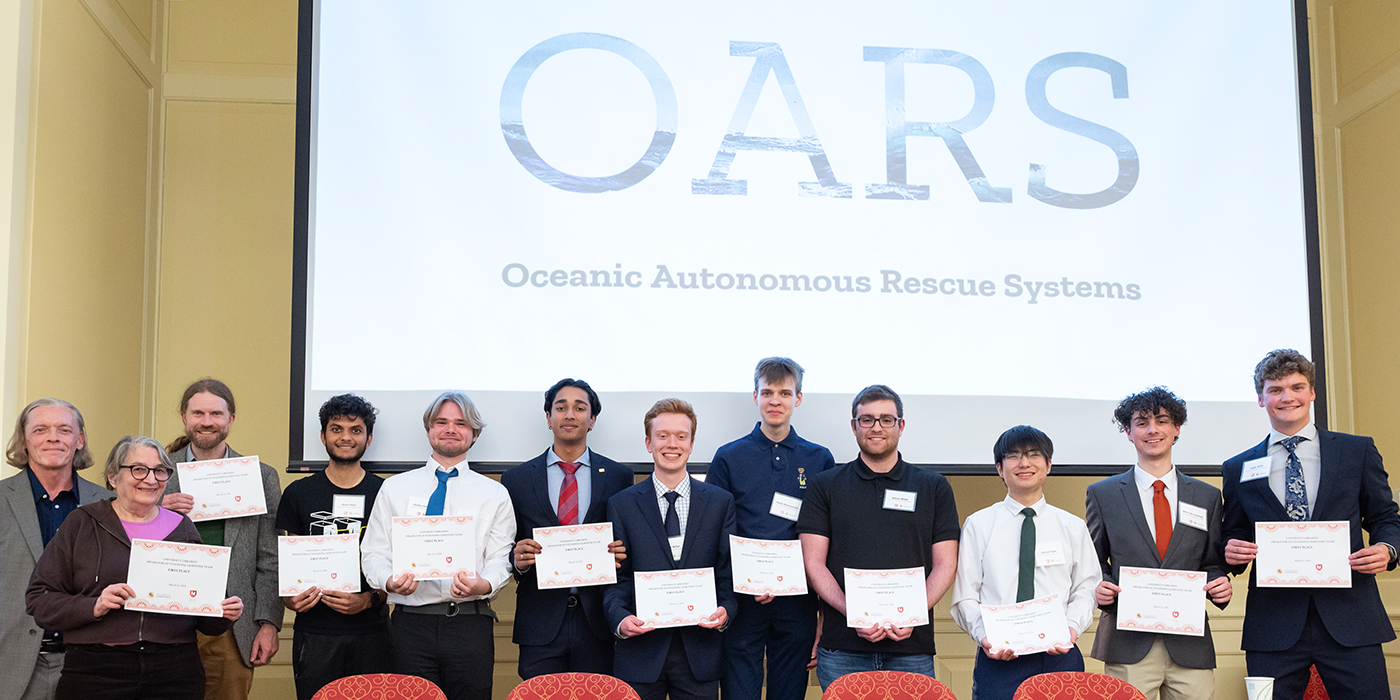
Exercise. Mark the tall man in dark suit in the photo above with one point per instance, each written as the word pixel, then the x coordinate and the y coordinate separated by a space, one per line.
pixel 1302 472
pixel 49 447
pixel 561 630
pixel 671 521
pixel 1153 516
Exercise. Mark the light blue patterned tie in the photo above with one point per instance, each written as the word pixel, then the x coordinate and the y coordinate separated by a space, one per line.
pixel 1295 492
pixel 438 501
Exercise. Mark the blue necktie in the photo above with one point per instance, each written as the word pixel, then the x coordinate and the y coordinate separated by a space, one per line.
pixel 439 497
pixel 1295 492
pixel 673 521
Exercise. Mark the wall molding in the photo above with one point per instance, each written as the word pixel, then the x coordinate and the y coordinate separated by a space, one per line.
pixel 210 87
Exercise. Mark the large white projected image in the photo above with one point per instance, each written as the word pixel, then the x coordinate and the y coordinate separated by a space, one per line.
pixel 1007 215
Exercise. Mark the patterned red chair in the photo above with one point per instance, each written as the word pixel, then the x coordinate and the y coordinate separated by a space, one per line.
pixel 886 685
pixel 573 686
pixel 380 686
pixel 1071 685
pixel 1315 689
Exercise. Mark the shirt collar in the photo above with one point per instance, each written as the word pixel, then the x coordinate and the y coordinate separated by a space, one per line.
pixel 757 434
pixel 683 489
pixel 1145 480
pixel 552 459
pixel 1309 432
pixel 894 474
pixel 40 492
pixel 1015 507
pixel 462 467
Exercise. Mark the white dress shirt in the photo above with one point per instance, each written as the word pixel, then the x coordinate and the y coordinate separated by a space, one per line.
pixel 1144 483
pixel 1309 455
pixel 554 479
pixel 468 493
pixel 989 562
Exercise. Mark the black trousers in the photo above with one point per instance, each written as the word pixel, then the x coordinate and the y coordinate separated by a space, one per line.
pixel 457 653
pixel 1347 672
pixel 575 649
pixel 318 659
pixel 143 671
pixel 676 680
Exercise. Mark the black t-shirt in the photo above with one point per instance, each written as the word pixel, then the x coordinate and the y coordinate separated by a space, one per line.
pixel 846 505
pixel 316 494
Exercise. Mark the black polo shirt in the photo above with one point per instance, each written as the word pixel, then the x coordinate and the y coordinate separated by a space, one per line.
pixel 846 505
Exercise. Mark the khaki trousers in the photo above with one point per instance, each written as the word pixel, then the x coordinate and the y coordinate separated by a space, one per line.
pixel 1160 679
pixel 225 676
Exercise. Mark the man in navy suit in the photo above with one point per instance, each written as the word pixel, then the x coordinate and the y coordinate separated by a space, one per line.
pixel 1302 472
pixel 561 630
pixel 667 522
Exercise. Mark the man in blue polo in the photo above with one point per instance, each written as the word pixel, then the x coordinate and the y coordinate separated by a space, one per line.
pixel 767 471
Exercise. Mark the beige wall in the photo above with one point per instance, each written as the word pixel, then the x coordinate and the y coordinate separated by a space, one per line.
pixel 149 162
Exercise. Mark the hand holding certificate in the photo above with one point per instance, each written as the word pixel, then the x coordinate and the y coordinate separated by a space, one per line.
pixel 1303 554
pixel 767 567
pixel 888 597
pixel 177 578
pixel 675 598
pixel 329 562
pixel 434 546
pixel 574 555
pixel 1027 628
pixel 1165 601
pixel 223 488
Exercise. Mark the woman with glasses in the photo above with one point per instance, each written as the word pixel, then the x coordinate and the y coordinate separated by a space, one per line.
pixel 79 587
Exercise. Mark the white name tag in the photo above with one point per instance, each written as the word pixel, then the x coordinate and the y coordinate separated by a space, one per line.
pixel 900 500
pixel 417 507
pixel 677 543
pixel 351 506
pixel 1192 516
pixel 785 506
pixel 1049 554
pixel 1256 469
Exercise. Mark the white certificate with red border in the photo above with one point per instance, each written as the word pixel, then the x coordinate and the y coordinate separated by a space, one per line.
pixel 223 488
pixel 177 578
pixel 1165 601
pixel 1303 554
pixel 878 596
pixel 1027 628
pixel 762 567
pixel 330 562
pixel 574 555
pixel 675 598
pixel 434 546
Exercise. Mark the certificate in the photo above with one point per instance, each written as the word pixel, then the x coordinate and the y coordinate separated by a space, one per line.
pixel 1303 554
pixel 223 488
pixel 331 562
pixel 767 566
pixel 434 546
pixel 1029 627
pixel 574 555
pixel 895 596
pixel 1165 601
pixel 177 578
pixel 675 598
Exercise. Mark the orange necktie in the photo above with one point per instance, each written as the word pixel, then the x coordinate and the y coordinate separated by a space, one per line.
pixel 1162 516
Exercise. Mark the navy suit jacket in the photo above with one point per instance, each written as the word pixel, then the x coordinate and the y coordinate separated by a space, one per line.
pixel 636 519
pixel 1353 487
pixel 1118 526
pixel 540 614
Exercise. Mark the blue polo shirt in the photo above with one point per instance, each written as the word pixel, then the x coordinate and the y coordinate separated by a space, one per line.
pixel 753 468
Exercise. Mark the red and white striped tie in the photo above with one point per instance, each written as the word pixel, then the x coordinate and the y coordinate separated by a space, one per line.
pixel 568 494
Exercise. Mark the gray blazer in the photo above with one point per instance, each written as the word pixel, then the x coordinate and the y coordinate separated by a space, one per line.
pixel 252 572
pixel 1118 527
pixel 20 547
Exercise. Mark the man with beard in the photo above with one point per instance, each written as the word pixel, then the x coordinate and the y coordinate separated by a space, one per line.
pixel 343 634
pixel 441 629
pixel 207 411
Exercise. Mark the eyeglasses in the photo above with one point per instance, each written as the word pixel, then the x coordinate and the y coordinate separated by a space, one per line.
pixel 1018 456
pixel 869 422
pixel 140 471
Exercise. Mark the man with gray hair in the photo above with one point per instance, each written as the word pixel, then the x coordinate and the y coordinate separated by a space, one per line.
pixel 441 629
pixel 49 447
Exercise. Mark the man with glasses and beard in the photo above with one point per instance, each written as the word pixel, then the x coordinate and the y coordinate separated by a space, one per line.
pixel 337 633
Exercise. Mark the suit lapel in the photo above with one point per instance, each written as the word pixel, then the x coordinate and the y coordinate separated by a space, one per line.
pixel 539 486
pixel 596 500
pixel 21 500
pixel 1133 502
pixel 699 502
pixel 651 513
pixel 1188 491
pixel 1331 455
pixel 235 527
pixel 1260 487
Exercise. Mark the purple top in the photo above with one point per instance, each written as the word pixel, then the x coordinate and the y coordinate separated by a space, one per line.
pixel 157 528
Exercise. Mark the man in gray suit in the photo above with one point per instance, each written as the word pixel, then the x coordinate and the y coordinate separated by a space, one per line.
pixel 49 447
pixel 1153 516
pixel 207 410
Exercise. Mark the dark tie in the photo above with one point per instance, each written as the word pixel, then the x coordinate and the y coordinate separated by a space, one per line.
pixel 1161 517
pixel 568 494
pixel 1025 581
pixel 439 498
pixel 673 521
pixel 1295 492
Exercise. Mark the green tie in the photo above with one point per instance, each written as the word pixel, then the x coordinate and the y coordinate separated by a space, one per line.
pixel 1025 582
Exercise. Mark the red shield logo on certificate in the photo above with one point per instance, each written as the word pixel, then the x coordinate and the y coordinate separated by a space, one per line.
pixel 238 499
pixel 780 579
pixel 901 608
pixel 449 560
pixel 1042 635
pixel 1176 614
pixel 589 567
pixel 193 593
pixel 333 575
pixel 690 607
pixel 1319 567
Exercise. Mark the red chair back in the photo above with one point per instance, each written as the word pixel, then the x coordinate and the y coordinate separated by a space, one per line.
pixel 886 685
pixel 380 686
pixel 1315 689
pixel 573 686
pixel 1076 685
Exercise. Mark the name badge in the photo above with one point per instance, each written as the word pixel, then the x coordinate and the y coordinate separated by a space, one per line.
pixel 351 506
pixel 785 506
pixel 1256 469
pixel 1192 516
pixel 677 543
pixel 1049 554
pixel 417 507
pixel 900 500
